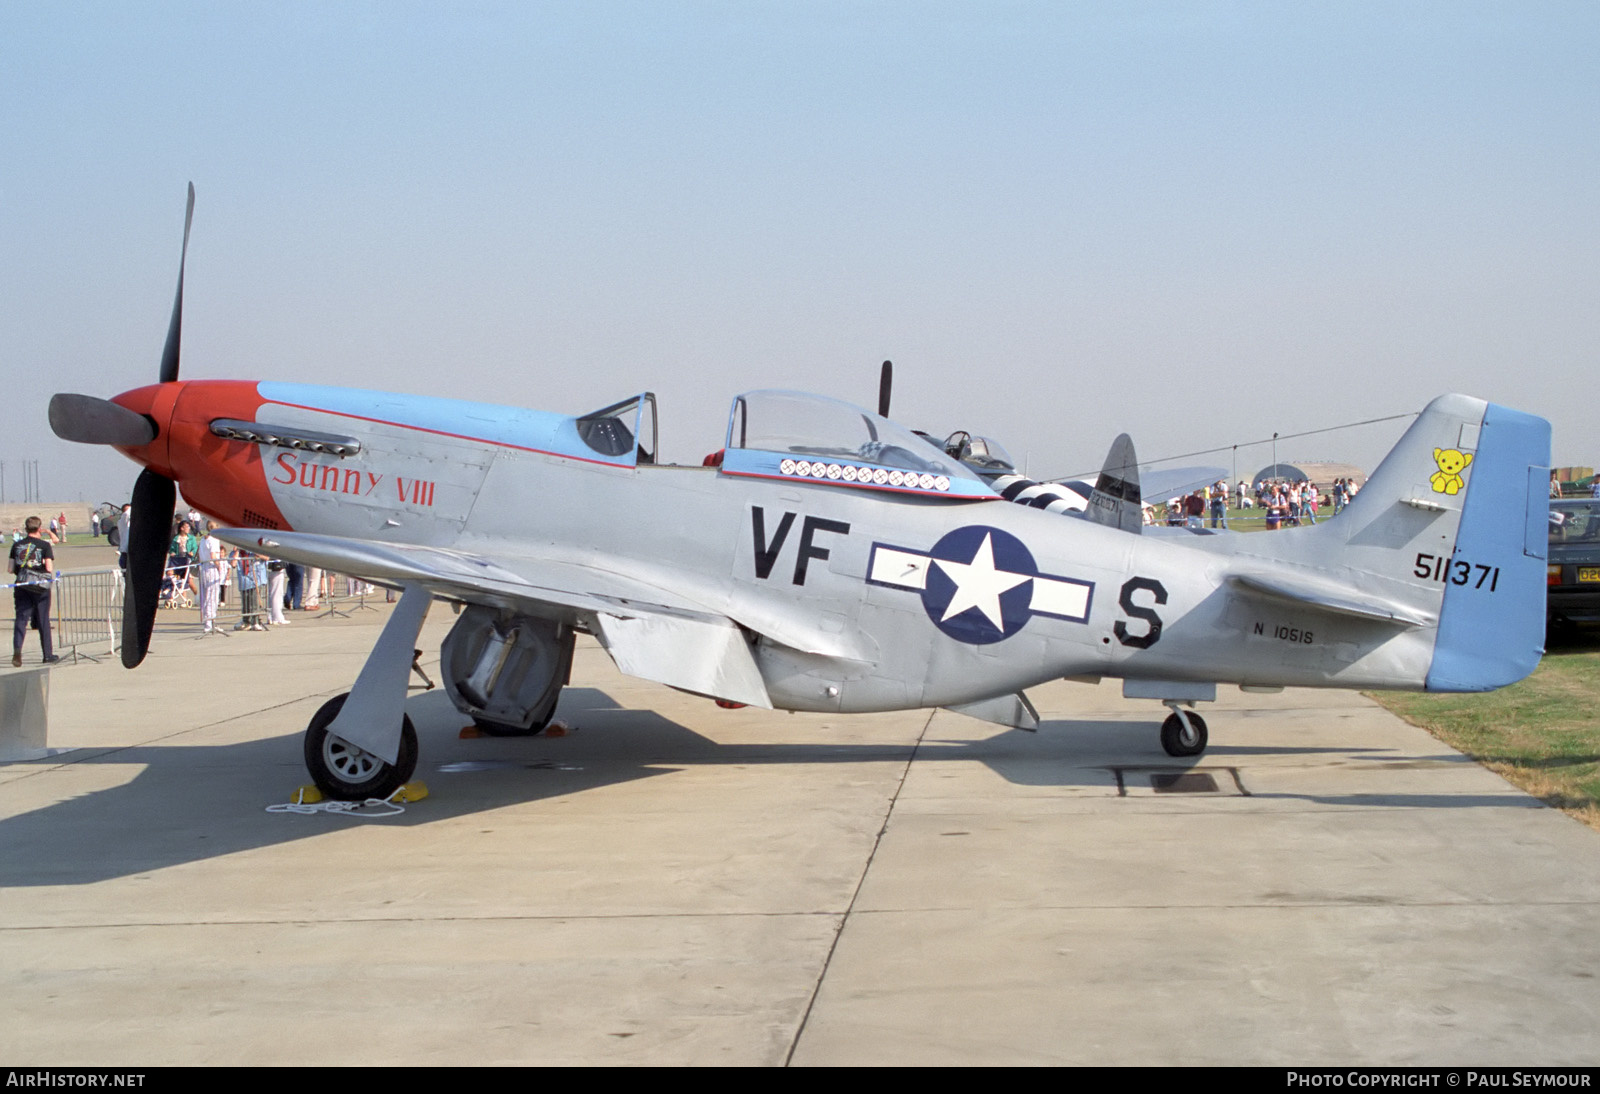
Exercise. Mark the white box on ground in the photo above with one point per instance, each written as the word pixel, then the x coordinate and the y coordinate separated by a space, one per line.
pixel 24 714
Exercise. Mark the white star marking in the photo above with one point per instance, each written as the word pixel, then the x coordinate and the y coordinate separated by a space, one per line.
pixel 979 584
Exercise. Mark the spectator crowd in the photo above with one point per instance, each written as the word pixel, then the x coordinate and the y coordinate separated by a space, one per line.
pixel 202 569
pixel 1283 503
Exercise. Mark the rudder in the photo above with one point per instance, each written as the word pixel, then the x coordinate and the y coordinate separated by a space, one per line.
pixel 1491 624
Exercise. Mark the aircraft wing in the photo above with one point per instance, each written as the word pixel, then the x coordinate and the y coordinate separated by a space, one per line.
pixel 1164 482
pixel 649 632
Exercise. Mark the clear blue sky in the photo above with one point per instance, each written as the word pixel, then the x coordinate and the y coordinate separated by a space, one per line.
pixel 1200 223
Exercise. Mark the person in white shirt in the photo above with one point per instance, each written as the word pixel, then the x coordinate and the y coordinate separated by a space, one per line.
pixel 277 582
pixel 123 523
pixel 213 560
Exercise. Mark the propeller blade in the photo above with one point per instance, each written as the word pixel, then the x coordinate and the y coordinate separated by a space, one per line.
pixel 885 383
pixel 170 353
pixel 89 419
pixel 155 497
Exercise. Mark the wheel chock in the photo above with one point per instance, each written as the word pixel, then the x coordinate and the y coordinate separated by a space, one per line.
pixel 306 795
pixel 557 729
pixel 410 792
pixel 469 732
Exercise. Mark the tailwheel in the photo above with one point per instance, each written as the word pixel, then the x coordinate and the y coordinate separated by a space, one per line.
pixel 1183 740
pixel 343 771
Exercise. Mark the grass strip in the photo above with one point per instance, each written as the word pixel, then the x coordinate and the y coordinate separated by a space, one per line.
pixel 1542 734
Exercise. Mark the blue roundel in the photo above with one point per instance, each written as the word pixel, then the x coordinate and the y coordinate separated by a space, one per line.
pixel 980 584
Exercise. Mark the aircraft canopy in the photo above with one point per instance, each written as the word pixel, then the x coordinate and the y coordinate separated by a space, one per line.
pixel 790 434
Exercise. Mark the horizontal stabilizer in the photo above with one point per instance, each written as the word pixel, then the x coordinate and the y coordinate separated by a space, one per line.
pixel 1166 482
pixel 1324 594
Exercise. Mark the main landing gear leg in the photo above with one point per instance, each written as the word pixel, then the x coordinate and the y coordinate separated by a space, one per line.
pixel 1184 732
pixel 362 745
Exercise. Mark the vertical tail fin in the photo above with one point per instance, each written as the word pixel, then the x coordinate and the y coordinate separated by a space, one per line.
pixel 1459 509
pixel 1115 501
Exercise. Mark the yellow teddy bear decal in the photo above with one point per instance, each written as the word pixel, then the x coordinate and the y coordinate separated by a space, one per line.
pixel 1447 480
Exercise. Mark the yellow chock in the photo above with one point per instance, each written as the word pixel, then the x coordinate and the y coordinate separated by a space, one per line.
pixel 410 792
pixel 469 732
pixel 305 795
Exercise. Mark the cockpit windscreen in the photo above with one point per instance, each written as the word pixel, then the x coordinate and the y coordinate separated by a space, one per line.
pixel 812 426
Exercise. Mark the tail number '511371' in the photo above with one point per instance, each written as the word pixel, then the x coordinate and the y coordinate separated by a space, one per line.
pixel 1456 571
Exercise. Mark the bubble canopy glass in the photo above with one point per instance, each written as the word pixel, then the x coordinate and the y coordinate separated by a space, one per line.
pixel 792 435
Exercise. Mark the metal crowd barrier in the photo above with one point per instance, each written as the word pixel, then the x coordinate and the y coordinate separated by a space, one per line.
pixel 86 605
pixel 85 612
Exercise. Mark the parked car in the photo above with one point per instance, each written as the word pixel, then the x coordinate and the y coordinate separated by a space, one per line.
pixel 1574 575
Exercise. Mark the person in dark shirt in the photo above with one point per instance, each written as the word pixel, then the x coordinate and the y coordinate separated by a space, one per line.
pixel 33 564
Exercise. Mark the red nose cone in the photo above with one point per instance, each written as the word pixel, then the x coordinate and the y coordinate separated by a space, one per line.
pixel 222 477
pixel 154 402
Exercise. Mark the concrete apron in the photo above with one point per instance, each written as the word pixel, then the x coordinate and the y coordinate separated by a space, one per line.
pixel 674 883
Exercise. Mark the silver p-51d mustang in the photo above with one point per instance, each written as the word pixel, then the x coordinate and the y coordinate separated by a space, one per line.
pixel 831 560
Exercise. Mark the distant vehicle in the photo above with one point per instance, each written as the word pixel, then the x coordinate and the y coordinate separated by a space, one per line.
pixel 1573 581
pixel 110 513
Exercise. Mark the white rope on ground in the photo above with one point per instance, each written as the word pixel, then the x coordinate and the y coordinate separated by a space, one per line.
pixel 344 808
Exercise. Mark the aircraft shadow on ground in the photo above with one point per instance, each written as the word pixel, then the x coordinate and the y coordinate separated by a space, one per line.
pixel 191 803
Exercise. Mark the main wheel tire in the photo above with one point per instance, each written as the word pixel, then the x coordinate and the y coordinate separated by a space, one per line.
pixel 343 771
pixel 1181 740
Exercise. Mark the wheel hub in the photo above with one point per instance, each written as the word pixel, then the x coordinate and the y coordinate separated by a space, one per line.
pixel 352 764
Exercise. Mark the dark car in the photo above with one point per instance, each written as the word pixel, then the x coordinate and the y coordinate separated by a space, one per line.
pixel 1574 574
